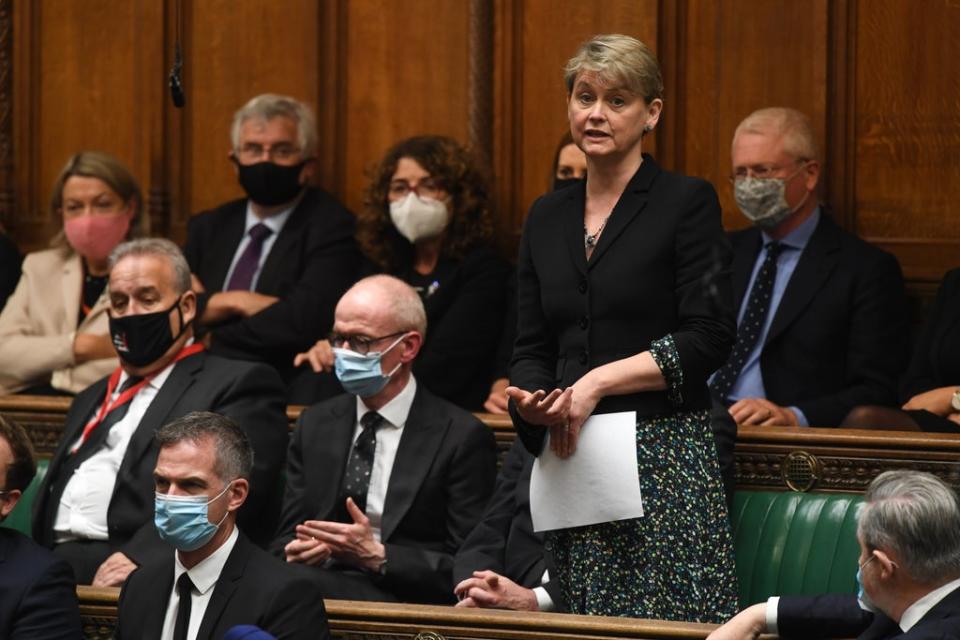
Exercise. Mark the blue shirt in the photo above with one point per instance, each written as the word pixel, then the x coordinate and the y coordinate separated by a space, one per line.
pixel 750 382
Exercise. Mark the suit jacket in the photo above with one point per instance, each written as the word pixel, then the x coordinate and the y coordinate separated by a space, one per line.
pixel 839 616
pixel 38 598
pixel 442 476
pixel 839 335
pixel 253 588
pixel 310 265
pixel 39 322
pixel 504 540
pixel 936 355
pixel 659 268
pixel 250 393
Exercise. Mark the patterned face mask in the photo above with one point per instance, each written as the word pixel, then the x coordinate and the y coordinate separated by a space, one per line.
pixel 763 200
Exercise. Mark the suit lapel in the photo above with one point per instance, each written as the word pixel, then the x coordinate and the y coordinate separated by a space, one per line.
pixel 283 245
pixel 743 262
pixel 72 287
pixel 154 608
pixel 817 262
pixel 225 587
pixel 631 202
pixel 422 436
pixel 227 240
pixel 571 220
pixel 329 450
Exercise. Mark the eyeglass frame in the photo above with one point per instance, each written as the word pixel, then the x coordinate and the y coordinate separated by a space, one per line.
pixel 434 187
pixel 335 338
pixel 255 152
pixel 769 172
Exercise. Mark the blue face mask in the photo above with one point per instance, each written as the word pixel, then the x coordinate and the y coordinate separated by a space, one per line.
pixel 362 374
pixel 182 521
pixel 865 602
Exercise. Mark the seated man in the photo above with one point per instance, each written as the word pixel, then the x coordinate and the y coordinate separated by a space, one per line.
pixel 909 573
pixel 217 578
pixel 38 598
pixel 822 324
pixel 96 503
pixel 502 564
pixel 385 482
pixel 274 264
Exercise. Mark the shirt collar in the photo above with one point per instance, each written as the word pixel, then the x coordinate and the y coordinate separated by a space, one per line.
pixel 396 411
pixel 799 237
pixel 274 223
pixel 921 607
pixel 157 380
pixel 204 574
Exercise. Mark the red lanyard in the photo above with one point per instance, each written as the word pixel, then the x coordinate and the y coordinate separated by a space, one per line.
pixel 128 394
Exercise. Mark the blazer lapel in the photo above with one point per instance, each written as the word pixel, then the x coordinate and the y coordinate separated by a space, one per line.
pixel 743 262
pixel 227 240
pixel 422 435
pixel 226 585
pixel 283 245
pixel 571 220
pixel 631 202
pixel 329 451
pixel 71 287
pixel 151 624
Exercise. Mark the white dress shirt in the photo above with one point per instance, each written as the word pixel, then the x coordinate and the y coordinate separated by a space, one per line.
pixel 82 514
pixel 204 577
pixel 275 223
pixel 544 601
pixel 394 414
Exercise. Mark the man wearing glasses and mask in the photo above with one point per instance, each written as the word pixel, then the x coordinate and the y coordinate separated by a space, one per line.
pixel 95 506
pixel 821 325
pixel 386 481
pixel 269 268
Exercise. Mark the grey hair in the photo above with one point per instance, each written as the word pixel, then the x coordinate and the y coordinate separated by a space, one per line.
pixel 160 247
pixel 918 517
pixel 234 454
pixel 268 106
pixel 618 58
pixel 789 124
pixel 405 307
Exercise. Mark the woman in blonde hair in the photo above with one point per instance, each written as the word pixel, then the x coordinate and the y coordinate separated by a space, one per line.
pixel 615 316
pixel 53 329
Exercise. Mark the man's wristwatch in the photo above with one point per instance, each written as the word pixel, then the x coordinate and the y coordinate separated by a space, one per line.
pixel 955 400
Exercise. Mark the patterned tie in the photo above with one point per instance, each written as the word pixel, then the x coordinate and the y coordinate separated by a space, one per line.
pixel 249 260
pixel 758 305
pixel 185 593
pixel 356 480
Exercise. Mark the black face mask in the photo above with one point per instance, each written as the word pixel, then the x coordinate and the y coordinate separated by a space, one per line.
pixel 270 184
pixel 563 183
pixel 140 340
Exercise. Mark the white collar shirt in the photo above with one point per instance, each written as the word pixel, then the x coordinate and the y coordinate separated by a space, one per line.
pixel 275 223
pixel 395 415
pixel 921 607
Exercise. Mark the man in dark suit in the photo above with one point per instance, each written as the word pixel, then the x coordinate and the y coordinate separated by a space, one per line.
pixel 217 578
pixel 502 564
pixel 909 573
pixel 822 324
pixel 38 599
pixel 383 483
pixel 270 267
pixel 96 502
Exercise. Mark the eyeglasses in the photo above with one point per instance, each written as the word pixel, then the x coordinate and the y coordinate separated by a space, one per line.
pixel 426 188
pixel 763 171
pixel 360 344
pixel 282 152
pixel 867 561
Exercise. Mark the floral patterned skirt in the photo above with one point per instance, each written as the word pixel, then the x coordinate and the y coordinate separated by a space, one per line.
pixel 675 562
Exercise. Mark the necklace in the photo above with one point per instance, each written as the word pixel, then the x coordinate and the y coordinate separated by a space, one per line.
pixel 590 239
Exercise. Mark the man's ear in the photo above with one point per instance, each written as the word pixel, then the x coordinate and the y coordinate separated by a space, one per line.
pixel 188 306
pixel 238 493
pixel 411 346
pixel 13 496
pixel 306 174
pixel 886 562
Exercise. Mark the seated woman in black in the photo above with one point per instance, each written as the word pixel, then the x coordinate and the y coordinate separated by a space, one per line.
pixel 427 220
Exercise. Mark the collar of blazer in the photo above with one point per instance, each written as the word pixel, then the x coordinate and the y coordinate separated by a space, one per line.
pixel 631 202
pixel 291 233
pixel 226 584
pixel 72 291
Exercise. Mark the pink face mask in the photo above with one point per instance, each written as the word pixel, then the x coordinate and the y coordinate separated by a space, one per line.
pixel 95 236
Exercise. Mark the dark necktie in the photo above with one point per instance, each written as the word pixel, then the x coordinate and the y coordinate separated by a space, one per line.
pixel 249 261
pixel 758 306
pixel 184 592
pixel 356 480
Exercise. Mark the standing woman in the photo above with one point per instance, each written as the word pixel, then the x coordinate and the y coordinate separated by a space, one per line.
pixel 53 331
pixel 625 305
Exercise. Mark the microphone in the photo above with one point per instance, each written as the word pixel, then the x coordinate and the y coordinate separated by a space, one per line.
pixel 176 82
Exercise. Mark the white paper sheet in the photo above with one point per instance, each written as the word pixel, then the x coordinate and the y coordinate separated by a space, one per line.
pixel 598 483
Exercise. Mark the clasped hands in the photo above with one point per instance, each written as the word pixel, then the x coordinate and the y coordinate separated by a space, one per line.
pixel 762 412
pixel 352 544
pixel 487 589
pixel 563 411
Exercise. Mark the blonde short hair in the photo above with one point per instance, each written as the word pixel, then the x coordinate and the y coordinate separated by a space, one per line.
pixel 268 106
pixel 789 124
pixel 619 59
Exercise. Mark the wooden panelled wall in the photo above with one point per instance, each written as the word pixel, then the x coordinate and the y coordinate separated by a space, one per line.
pixel 878 77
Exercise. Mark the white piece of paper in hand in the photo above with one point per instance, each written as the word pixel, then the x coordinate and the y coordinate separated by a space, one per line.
pixel 598 483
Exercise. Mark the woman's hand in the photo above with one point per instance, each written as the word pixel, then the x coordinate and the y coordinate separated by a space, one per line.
pixel 91 346
pixel 497 400
pixel 542 408
pixel 320 357
pixel 935 401
pixel 584 399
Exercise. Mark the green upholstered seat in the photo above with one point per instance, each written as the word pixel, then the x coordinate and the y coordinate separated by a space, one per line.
pixel 789 543
pixel 19 518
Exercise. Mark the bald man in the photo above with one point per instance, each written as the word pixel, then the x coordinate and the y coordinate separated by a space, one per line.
pixel 385 481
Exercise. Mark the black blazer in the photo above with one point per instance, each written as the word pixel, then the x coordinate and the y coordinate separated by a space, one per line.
pixel 936 355
pixel 839 336
pixel 311 264
pixel 250 393
pixel 441 479
pixel 659 268
pixel 253 588
pixel 38 598
pixel 504 540
pixel 839 616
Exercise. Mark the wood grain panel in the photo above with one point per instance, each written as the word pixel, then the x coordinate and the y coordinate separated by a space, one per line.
pixel 908 131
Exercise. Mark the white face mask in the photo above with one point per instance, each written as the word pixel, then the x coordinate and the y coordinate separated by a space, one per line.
pixel 419 218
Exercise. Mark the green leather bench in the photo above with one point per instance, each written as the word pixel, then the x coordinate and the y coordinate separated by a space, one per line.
pixel 789 543
pixel 19 518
